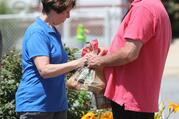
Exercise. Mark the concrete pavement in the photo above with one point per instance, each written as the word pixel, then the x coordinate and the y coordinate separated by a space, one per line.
pixel 172 63
pixel 169 86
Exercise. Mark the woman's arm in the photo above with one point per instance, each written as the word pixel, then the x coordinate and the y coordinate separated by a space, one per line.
pixel 47 70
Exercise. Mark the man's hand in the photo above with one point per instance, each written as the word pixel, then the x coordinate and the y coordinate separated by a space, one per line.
pixel 94 61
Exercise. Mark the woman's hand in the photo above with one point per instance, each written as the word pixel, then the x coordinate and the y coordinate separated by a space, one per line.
pixel 81 62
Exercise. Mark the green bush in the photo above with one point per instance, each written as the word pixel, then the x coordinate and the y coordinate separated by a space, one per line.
pixel 172 7
pixel 79 104
pixel 10 75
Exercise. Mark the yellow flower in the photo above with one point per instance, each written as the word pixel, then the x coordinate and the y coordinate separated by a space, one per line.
pixel 89 115
pixel 173 107
pixel 159 114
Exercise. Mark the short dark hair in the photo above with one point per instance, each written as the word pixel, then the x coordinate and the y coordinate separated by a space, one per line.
pixel 57 5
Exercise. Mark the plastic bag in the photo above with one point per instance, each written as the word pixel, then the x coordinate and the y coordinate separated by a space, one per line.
pixel 89 79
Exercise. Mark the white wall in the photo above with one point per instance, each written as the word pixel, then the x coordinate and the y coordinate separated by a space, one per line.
pixel 100 2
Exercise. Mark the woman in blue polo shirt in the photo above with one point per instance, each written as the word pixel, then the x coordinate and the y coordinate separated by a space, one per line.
pixel 42 91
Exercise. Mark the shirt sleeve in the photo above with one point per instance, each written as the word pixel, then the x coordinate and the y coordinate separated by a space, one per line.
pixel 37 45
pixel 140 25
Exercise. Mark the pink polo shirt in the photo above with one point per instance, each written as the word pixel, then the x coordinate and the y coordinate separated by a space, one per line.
pixel 137 84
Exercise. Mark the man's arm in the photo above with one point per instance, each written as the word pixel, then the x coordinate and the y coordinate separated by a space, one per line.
pixel 123 56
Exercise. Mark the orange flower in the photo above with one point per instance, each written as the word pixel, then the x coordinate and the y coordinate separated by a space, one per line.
pixel 107 115
pixel 173 107
pixel 89 115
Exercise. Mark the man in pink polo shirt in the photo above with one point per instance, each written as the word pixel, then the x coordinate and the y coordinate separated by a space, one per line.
pixel 135 61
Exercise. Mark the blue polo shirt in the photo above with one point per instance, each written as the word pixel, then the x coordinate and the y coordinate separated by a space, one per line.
pixel 34 93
